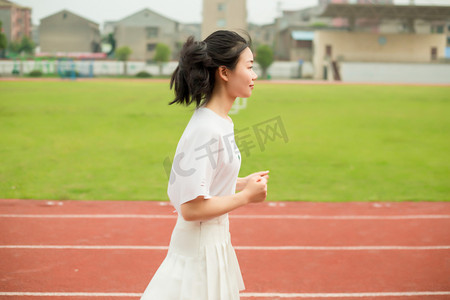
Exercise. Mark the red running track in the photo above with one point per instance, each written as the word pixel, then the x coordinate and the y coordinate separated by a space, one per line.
pixel 295 250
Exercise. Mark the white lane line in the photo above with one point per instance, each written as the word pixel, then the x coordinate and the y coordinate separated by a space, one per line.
pixel 299 217
pixel 71 216
pixel 252 248
pixel 74 294
pixel 87 247
pixel 340 248
pixel 345 217
pixel 243 295
pixel 343 295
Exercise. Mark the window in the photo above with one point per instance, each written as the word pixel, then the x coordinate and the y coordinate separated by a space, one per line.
pixel 303 44
pixel 152 32
pixel 221 23
pixel 221 7
pixel 151 47
pixel 64 15
pixel 440 29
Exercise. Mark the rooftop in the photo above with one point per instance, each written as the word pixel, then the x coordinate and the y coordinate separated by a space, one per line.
pixel 386 11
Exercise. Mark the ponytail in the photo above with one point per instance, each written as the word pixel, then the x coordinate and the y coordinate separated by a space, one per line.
pixel 194 77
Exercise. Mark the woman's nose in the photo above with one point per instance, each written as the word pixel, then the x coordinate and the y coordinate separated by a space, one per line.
pixel 254 75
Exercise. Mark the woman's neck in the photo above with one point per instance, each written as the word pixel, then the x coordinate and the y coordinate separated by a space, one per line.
pixel 221 104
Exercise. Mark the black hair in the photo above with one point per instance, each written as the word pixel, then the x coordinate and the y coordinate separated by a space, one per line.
pixel 194 78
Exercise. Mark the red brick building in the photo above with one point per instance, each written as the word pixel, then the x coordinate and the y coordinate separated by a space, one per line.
pixel 16 20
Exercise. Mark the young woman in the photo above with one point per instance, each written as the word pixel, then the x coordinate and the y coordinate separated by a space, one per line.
pixel 201 262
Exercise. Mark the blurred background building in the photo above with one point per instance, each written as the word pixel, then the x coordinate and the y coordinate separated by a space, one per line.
pixel 379 34
pixel 340 22
pixel 143 30
pixel 68 32
pixel 315 42
pixel 16 20
pixel 223 14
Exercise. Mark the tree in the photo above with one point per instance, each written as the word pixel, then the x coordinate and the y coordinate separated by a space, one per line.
pixel 14 47
pixel 111 41
pixel 3 42
pixel 27 45
pixel 122 54
pixel 264 57
pixel 319 25
pixel 162 55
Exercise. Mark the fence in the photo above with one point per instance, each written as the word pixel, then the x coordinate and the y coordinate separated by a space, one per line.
pixel 350 71
pixel 90 68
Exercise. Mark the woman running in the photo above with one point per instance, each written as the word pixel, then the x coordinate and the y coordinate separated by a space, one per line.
pixel 201 262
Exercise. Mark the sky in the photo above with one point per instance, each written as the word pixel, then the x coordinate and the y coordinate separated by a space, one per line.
pixel 184 11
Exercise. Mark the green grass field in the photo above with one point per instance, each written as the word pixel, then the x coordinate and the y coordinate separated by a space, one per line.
pixel 94 140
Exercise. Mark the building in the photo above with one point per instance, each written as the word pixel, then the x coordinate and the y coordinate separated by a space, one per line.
pixel 292 39
pixel 294 33
pixel 262 34
pixel 108 27
pixel 341 22
pixel 224 14
pixel 16 20
pixel 333 47
pixel 143 30
pixel 187 30
pixel 65 31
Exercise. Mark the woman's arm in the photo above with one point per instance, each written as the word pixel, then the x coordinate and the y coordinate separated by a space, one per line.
pixel 203 209
pixel 240 183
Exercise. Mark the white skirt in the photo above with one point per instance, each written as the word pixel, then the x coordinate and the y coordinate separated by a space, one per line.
pixel 200 265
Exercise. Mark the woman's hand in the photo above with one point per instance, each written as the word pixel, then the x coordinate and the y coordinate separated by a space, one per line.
pixel 256 189
pixel 242 182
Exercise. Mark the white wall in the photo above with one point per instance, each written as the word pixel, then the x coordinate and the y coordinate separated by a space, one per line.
pixel 395 72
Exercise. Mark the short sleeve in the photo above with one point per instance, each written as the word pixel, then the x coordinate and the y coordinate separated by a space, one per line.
pixel 193 166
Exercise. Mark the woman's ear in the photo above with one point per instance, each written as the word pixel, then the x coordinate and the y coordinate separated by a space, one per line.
pixel 223 72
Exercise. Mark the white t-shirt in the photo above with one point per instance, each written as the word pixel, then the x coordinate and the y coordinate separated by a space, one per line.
pixel 207 160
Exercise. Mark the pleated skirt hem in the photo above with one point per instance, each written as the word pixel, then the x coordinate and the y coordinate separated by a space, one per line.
pixel 201 264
